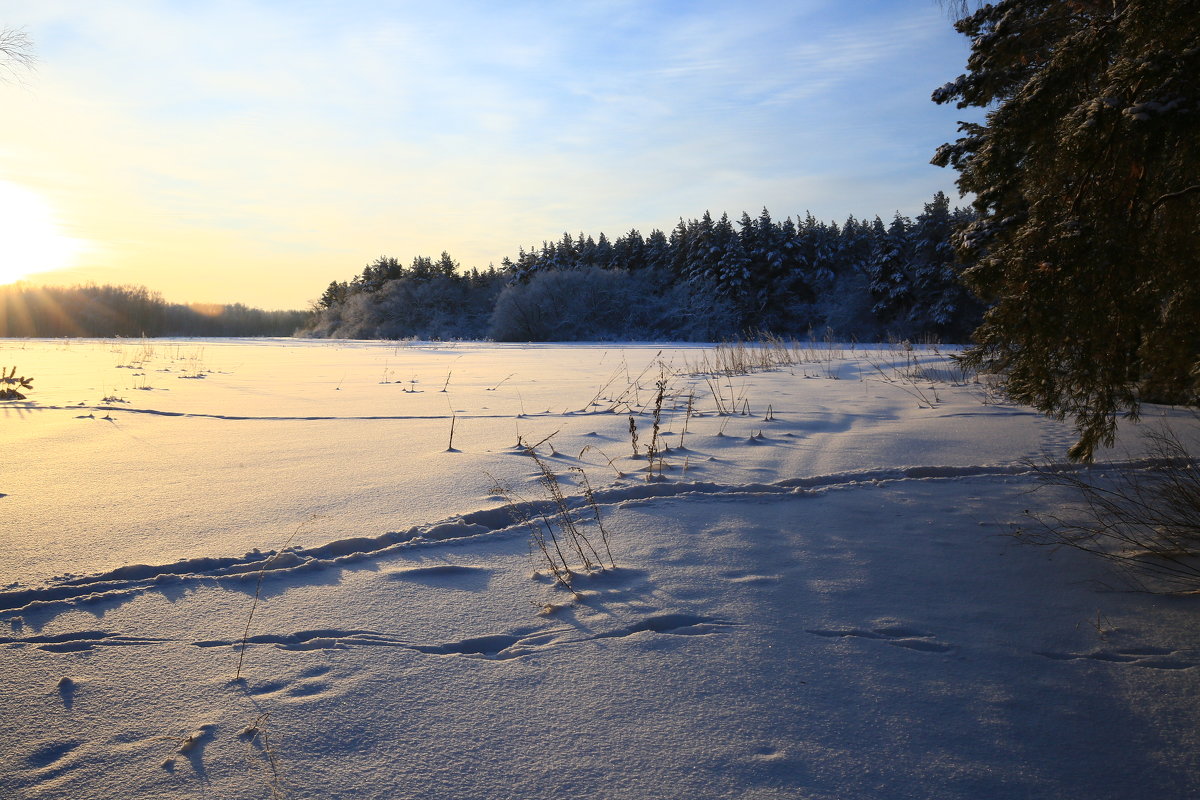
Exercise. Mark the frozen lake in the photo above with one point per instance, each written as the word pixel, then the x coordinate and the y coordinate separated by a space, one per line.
pixel 813 593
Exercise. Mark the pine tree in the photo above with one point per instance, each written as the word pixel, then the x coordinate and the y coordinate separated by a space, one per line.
pixel 891 282
pixel 764 245
pixel 658 251
pixel 446 266
pixel 703 251
pixel 334 295
pixel 678 247
pixel 629 252
pixel 854 248
pixel 1087 187
pixel 602 256
pixel 586 248
pixel 376 274
pixel 421 268
pixel 566 254
pixel 729 273
pixel 941 304
pixel 815 244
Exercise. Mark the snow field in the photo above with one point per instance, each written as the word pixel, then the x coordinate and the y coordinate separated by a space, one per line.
pixel 832 610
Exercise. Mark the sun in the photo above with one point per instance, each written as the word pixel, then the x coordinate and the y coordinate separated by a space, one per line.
pixel 30 238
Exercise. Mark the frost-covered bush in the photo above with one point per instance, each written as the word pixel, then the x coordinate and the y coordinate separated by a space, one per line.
pixel 441 308
pixel 599 304
pixel 571 305
pixel 436 308
pixel 695 314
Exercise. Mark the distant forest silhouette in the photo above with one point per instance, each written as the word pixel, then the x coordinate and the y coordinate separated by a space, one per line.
pixel 708 280
pixel 130 311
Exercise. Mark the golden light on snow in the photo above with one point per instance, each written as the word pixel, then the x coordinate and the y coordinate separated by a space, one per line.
pixel 31 240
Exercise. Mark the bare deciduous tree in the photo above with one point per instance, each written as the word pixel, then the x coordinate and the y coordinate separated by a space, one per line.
pixel 16 52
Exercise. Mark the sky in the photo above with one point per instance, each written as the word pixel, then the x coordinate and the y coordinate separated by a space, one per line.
pixel 252 151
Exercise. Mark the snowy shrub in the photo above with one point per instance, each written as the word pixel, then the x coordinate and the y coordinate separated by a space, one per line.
pixel 1144 519
pixel 573 305
pixel 439 307
pixel 693 313
pixel 11 384
pixel 598 304
pixel 434 309
pixel 357 318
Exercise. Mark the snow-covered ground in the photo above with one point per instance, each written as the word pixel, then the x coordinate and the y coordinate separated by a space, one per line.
pixel 816 598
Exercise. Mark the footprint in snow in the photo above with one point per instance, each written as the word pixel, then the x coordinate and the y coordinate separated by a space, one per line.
pixel 309 689
pixel 499 646
pixel 1147 657
pixel 49 753
pixel 78 641
pixel 896 635
pixel 737 576
pixel 66 691
pixel 450 576
pixel 315 672
pixel 302 687
pixel 505 646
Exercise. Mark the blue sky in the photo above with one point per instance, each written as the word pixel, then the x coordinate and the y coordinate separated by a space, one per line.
pixel 253 151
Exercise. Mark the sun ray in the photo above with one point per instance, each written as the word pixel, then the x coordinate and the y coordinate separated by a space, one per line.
pixel 36 311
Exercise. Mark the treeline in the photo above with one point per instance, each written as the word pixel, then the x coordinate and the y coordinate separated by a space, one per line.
pixel 130 311
pixel 428 300
pixel 706 280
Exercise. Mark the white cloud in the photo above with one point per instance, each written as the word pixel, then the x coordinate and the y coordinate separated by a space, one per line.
pixel 260 130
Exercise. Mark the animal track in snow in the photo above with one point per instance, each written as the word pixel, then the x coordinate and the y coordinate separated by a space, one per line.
pixel 497 647
pixel 78 641
pixel 457 577
pixel 304 685
pixel 436 571
pixel 677 624
pixel 308 689
pixel 897 635
pixel 737 576
pixel 47 754
pixel 504 646
pixel 134 579
pixel 321 639
pixel 131 580
pixel 270 687
pixel 1149 657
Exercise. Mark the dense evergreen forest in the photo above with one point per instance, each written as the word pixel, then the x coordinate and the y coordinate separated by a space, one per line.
pixel 129 311
pixel 706 280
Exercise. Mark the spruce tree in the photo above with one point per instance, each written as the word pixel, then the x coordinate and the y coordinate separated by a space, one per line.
pixel 942 306
pixel 889 270
pixel 1087 193
pixel 729 273
pixel 703 251
pixel 658 251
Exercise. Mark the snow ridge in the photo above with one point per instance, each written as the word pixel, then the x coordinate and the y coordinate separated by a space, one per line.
pixel 135 579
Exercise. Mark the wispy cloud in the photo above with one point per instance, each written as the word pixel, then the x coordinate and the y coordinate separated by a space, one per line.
pixel 201 142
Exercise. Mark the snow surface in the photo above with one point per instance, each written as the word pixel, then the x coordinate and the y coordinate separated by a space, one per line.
pixel 817 600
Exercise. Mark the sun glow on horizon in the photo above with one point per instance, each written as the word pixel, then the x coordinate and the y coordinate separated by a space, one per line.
pixel 31 240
